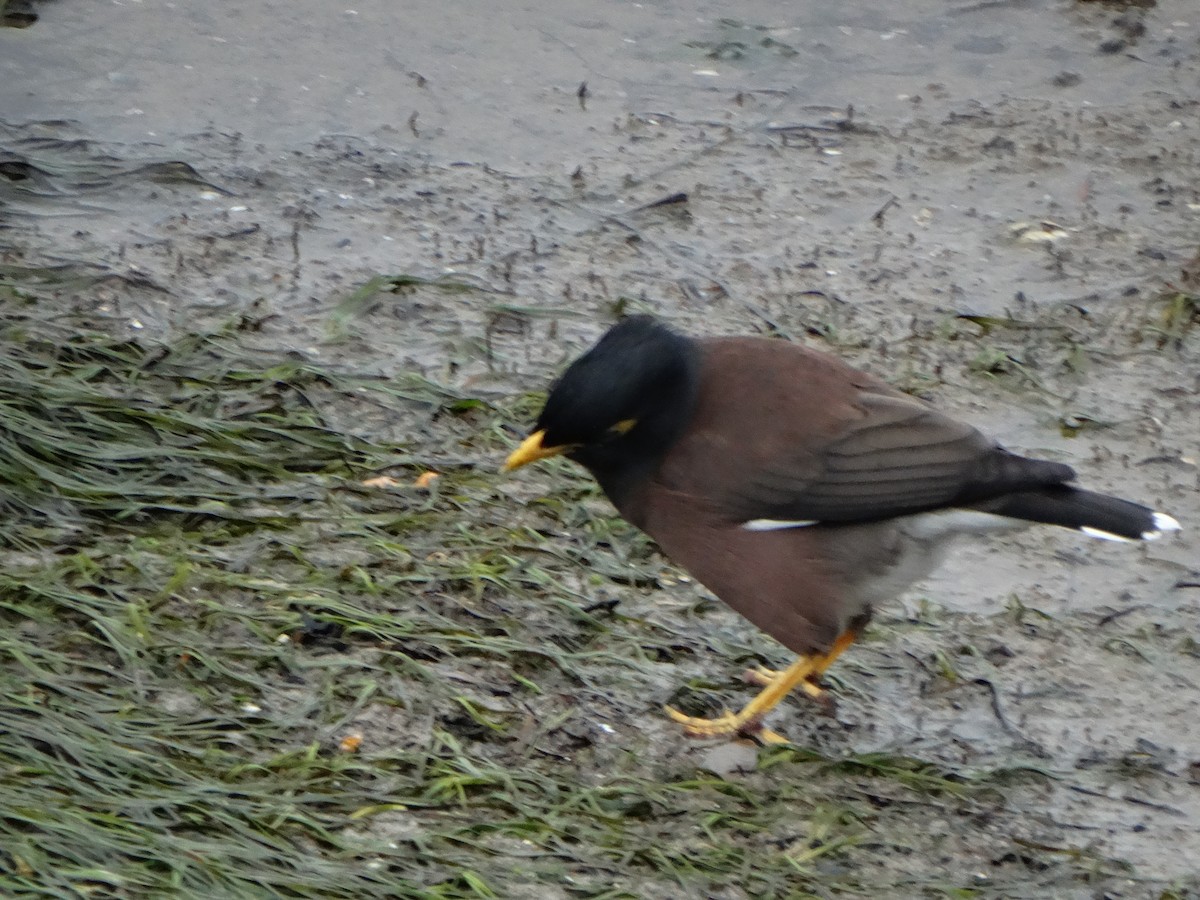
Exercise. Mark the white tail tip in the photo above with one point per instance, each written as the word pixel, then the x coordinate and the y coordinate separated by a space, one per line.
pixel 1162 524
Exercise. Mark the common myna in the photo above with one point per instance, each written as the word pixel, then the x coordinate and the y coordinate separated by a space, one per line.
pixel 799 490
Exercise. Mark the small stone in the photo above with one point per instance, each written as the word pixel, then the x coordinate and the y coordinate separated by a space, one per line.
pixel 730 757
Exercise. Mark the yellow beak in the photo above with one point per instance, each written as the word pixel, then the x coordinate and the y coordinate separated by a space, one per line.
pixel 531 450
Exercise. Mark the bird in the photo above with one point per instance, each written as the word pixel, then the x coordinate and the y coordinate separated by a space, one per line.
pixel 801 491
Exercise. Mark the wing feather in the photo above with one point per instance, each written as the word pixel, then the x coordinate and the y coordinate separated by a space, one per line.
pixel 901 457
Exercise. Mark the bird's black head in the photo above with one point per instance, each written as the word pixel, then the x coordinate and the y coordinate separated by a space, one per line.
pixel 618 407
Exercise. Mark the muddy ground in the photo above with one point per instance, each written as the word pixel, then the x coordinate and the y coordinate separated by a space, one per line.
pixel 237 664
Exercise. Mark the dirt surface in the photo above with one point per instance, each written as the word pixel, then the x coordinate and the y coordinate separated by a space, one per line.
pixel 993 207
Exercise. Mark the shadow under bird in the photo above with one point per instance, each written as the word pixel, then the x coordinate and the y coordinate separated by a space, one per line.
pixel 801 491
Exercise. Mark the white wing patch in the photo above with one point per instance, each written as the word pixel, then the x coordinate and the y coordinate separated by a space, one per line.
pixel 1109 536
pixel 776 524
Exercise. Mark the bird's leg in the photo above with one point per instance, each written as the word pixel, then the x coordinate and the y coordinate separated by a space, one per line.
pixel 749 720
pixel 813 685
pixel 804 672
pixel 762 676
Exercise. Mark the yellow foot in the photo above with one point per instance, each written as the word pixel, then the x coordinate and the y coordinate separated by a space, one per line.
pixel 726 725
pixel 805 671
pixel 763 677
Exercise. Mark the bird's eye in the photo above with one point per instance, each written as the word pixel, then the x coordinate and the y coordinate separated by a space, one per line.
pixel 623 426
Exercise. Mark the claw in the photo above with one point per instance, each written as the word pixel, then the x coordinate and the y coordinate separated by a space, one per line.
pixel 760 676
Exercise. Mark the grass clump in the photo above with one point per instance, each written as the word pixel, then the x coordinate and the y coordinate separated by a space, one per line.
pixel 231 668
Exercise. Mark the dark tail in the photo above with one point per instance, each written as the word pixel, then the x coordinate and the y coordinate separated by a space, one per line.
pixel 1095 514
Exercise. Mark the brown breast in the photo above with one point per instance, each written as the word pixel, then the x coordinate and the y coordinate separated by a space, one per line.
pixel 759 401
